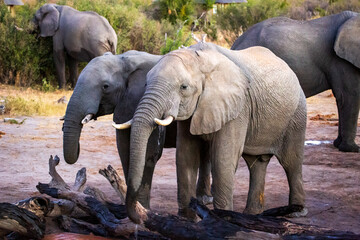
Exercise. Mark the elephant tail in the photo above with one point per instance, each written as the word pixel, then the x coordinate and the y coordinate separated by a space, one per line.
pixel 112 46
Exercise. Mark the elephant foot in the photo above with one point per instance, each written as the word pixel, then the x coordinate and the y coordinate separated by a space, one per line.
pixel 253 211
pixel 301 213
pixel 349 148
pixel 291 211
pixel 346 146
pixel 205 199
pixel 337 142
pixel 187 213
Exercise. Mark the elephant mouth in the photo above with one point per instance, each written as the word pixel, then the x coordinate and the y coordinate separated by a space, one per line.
pixel 104 109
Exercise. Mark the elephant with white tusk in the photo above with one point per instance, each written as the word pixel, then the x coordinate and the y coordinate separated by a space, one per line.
pixel 227 104
pixel 115 84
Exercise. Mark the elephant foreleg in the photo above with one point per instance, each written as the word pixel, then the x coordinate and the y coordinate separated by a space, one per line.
pixel 203 189
pixel 187 165
pixel 73 70
pixel 257 167
pixel 226 149
pixel 145 188
pixel 59 59
pixel 123 146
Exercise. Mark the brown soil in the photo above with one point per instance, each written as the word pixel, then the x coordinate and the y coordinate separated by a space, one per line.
pixel 331 178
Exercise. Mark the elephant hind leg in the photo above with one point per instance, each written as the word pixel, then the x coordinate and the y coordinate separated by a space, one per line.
pixel 73 70
pixel 59 60
pixel 257 167
pixel 345 84
pixel 348 109
pixel 291 159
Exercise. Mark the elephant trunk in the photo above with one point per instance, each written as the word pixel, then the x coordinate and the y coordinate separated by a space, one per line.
pixel 71 137
pixel 151 106
pixel 71 132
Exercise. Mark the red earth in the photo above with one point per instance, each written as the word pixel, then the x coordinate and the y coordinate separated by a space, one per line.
pixel 331 178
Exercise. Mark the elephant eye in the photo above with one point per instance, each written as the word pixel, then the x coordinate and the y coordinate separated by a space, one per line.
pixel 105 86
pixel 183 87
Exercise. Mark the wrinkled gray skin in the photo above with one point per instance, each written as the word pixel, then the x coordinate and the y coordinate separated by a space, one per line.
pixel 325 54
pixel 232 103
pixel 77 37
pixel 114 84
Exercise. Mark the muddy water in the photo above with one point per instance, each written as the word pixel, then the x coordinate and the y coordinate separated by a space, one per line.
pixel 73 236
pixel 316 142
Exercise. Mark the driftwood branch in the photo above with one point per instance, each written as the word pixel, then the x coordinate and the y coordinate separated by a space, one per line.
pixel 94 207
pixel 56 178
pixel 80 180
pixel 20 221
pixel 117 182
pixel 92 201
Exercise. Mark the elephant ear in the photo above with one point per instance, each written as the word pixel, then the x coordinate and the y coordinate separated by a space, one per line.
pixel 135 60
pixel 50 20
pixel 347 44
pixel 223 96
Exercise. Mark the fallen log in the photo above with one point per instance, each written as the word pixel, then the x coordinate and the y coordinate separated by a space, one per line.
pixel 286 228
pixel 20 221
pixel 73 225
pixel 214 224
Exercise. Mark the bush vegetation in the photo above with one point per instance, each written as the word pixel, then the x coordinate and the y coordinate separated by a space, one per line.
pixel 26 60
pixel 19 101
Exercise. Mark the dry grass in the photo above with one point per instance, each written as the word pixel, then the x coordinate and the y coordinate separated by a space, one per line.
pixel 30 102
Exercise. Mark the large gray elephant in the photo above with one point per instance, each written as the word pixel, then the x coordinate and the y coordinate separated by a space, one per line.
pixel 114 84
pixel 325 54
pixel 77 37
pixel 232 103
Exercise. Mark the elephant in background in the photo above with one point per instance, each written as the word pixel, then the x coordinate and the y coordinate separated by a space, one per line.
pixel 77 37
pixel 114 84
pixel 232 103
pixel 325 54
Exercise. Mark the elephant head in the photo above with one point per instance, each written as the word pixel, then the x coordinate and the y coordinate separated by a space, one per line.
pixel 108 83
pixel 47 19
pixel 181 86
pixel 347 44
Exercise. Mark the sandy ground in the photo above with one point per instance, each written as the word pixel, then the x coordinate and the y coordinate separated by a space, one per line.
pixel 331 178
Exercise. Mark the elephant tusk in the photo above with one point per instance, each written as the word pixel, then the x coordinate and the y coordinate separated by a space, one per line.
pixel 62 118
pixel 164 122
pixel 87 118
pixel 123 125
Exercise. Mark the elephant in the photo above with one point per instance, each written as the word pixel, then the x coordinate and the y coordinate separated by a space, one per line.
pixel 324 54
pixel 77 37
pixel 245 103
pixel 114 84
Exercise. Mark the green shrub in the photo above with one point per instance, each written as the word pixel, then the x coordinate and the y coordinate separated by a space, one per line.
pixel 24 60
pixel 237 18
pixel 174 10
pixel 182 38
